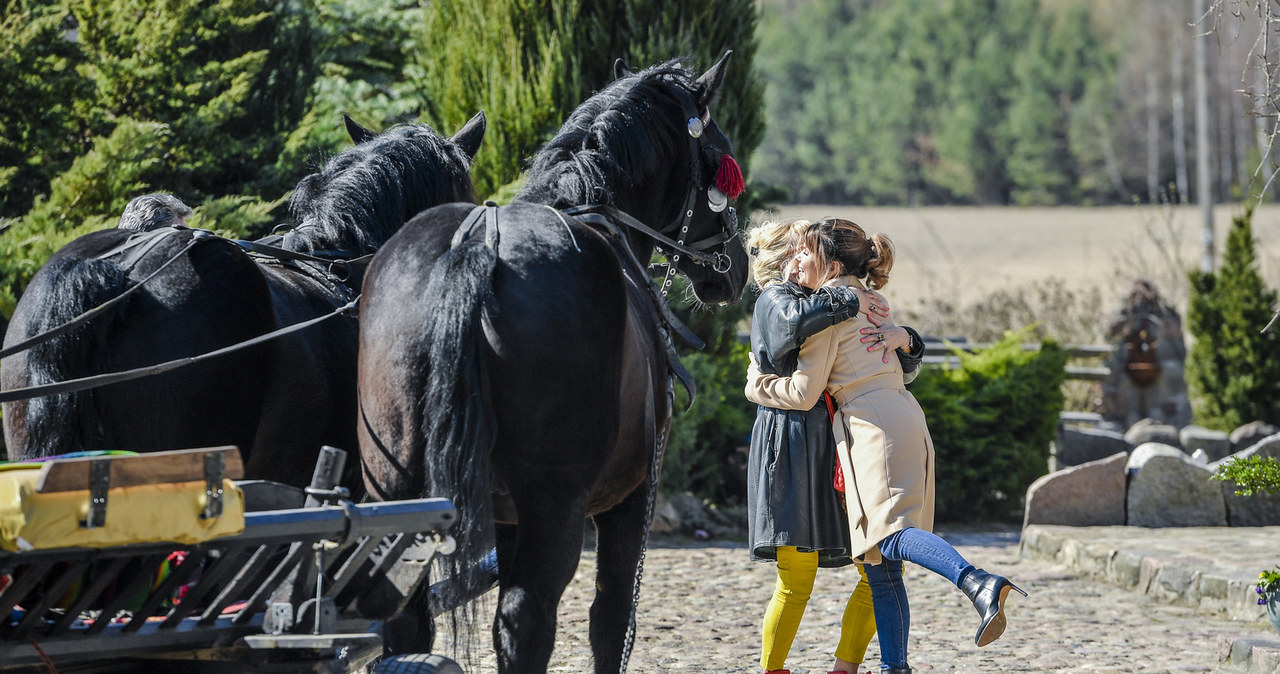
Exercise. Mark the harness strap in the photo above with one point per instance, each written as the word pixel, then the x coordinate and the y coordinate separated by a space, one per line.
pixel 490 213
pixel 633 268
pixel 96 311
pixel 629 260
pixel 138 245
pixel 295 256
pixel 628 220
pixel 84 383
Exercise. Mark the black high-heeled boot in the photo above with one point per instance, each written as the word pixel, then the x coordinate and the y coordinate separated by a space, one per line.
pixel 987 591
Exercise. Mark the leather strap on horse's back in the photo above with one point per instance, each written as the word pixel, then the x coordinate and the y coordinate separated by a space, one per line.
pixel 490 212
pixel 132 250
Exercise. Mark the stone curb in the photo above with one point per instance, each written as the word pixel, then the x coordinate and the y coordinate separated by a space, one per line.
pixel 1191 576
pixel 1248 656
pixel 1206 568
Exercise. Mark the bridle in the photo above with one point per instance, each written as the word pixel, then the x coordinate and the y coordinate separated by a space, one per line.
pixel 675 249
pixel 697 123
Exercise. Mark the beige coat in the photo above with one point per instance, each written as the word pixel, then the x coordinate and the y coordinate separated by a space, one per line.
pixel 885 450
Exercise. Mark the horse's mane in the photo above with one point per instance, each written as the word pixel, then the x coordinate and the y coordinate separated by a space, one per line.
pixel 365 194
pixel 615 137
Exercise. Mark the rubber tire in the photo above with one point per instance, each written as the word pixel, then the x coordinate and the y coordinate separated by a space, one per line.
pixel 418 663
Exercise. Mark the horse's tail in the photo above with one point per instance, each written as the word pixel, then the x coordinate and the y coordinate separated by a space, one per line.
pixel 64 289
pixel 458 423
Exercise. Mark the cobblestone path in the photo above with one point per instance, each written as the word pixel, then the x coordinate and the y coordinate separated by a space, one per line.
pixel 701 605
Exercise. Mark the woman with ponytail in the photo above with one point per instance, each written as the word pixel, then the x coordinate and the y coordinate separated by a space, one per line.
pixel 793 508
pixel 886 453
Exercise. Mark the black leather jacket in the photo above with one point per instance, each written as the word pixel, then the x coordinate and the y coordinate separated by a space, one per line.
pixel 787 314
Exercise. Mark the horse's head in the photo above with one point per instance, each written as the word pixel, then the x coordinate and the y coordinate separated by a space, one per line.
pixel 647 144
pixel 365 194
pixel 711 223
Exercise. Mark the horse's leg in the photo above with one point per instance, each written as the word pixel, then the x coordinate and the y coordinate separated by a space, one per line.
pixel 620 538
pixel 505 535
pixel 548 544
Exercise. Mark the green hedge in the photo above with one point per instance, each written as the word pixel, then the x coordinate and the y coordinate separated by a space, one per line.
pixel 992 419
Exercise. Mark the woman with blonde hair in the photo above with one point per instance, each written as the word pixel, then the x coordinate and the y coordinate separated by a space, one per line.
pixel 886 453
pixel 794 512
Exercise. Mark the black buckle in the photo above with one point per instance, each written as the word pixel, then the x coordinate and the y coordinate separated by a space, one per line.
pixel 213 473
pixel 99 484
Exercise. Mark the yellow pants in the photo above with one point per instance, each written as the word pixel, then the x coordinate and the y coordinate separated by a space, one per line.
pixel 796 572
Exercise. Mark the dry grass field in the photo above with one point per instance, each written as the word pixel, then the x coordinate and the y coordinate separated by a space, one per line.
pixel 960 255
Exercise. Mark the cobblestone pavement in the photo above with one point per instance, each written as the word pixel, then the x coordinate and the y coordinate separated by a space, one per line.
pixel 701 606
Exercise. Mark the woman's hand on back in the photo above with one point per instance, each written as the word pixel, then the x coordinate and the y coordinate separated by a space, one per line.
pixel 887 337
pixel 873 304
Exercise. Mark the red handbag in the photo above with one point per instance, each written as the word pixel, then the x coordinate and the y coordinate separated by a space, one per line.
pixel 837 480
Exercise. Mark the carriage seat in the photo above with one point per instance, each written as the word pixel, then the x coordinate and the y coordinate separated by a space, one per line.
pixel 109 499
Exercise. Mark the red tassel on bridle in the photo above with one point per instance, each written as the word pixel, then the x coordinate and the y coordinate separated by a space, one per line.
pixel 729 177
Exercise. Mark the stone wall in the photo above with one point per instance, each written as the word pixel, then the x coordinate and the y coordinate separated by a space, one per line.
pixel 1152 475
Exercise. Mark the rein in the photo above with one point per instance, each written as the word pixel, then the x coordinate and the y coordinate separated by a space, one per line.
pixel 95 381
pixel 717 261
pixel 148 241
pixel 96 311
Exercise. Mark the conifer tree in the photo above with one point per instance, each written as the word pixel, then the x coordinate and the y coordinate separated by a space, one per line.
pixel 229 77
pixel 113 99
pixel 528 64
pixel 40 132
pixel 1233 368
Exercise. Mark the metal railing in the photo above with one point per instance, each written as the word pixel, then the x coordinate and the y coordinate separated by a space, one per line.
pixel 939 352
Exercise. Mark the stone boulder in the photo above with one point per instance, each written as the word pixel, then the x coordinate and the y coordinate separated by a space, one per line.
pixel 1090 494
pixel 1258 510
pixel 1150 430
pixel 686 514
pixel 1248 435
pixel 1216 444
pixel 1168 489
pixel 1077 446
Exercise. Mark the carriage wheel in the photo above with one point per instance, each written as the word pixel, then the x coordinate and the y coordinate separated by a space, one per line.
pixel 418 663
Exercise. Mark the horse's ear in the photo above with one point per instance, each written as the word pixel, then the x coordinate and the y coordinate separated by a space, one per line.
pixel 620 69
pixel 358 133
pixel 709 84
pixel 470 135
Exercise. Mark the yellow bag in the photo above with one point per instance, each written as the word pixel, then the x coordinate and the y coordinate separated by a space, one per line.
pixel 34 519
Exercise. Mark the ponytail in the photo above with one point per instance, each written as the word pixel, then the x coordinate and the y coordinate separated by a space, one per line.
pixel 881 261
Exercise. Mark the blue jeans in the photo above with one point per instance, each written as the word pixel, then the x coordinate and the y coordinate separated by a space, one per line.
pixel 889 595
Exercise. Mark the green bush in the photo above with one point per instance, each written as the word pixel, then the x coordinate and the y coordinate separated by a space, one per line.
pixel 1251 475
pixel 992 419
pixel 703 452
pixel 1233 374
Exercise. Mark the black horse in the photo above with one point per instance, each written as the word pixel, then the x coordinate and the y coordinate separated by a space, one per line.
pixel 278 401
pixel 517 362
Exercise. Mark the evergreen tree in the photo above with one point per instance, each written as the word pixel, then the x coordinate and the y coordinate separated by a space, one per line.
pixel 539 59
pixel 186 96
pixel 971 101
pixel 40 133
pixel 88 196
pixel 230 78
pixel 1233 373
pixel 364 50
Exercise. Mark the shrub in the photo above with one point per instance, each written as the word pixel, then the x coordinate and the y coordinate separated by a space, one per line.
pixel 1251 475
pixel 992 419
pixel 1233 375
pixel 702 454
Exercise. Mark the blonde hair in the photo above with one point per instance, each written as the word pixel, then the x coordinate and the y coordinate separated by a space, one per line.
pixel 844 242
pixel 772 246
